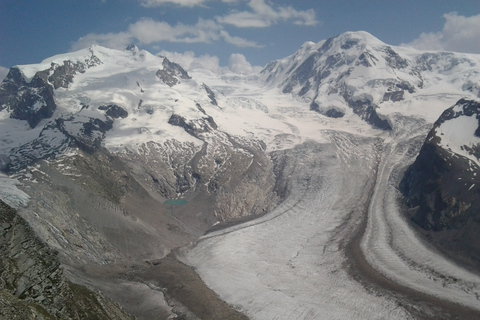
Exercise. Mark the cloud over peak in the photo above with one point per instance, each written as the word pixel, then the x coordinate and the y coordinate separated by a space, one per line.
pixel 147 31
pixel 258 14
pixel 263 15
pixel 237 63
pixel 183 3
pixel 459 33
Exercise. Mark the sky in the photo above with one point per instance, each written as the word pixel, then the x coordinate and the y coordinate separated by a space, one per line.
pixel 240 35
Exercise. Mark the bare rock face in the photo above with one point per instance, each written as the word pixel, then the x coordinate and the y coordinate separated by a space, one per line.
pixel 33 100
pixel 171 73
pixel 233 176
pixel 114 111
pixel 32 282
pixel 211 95
pixel 79 131
pixel 366 109
pixel 443 187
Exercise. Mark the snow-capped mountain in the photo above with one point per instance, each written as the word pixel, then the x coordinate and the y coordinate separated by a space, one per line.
pixel 357 73
pixel 129 102
pixel 123 156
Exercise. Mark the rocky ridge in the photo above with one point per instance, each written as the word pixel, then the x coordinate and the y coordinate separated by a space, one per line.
pixel 32 281
pixel 442 186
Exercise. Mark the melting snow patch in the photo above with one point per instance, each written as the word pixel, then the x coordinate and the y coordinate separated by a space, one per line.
pixel 457 133
pixel 10 194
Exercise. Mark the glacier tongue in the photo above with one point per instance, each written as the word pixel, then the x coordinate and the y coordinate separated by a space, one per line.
pixel 299 260
pixel 290 263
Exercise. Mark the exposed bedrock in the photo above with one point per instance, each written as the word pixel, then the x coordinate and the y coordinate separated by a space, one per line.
pixel 32 281
pixel 442 187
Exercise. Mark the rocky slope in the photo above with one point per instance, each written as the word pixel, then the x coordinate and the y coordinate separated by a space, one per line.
pixel 33 284
pixel 443 184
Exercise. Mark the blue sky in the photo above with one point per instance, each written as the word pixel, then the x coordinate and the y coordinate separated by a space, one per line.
pixel 223 32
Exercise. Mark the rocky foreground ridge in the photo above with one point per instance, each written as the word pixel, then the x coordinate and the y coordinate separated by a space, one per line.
pixel 33 284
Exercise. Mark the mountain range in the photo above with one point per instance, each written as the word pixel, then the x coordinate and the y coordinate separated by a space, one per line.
pixel 124 169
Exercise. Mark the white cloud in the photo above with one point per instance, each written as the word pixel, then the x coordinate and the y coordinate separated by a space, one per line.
pixel 3 73
pixel 459 33
pixel 189 61
pixel 111 40
pixel 264 14
pixel 237 62
pixel 148 31
pixel 237 41
pixel 183 3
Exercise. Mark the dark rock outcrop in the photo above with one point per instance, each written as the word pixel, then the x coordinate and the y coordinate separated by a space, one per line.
pixel 210 94
pixel 194 128
pixel 78 131
pixel 114 111
pixel 443 189
pixel 32 101
pixel 329 112
pixel 366 109
pixel 62 75
pixel 171 73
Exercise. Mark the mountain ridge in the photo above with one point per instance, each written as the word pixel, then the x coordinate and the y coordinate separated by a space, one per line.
pixel 358 58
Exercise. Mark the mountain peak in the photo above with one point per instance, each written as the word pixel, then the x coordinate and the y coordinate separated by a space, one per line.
pixel 356 41
pixel 132 48
pixel 359 35
pixel 341 50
